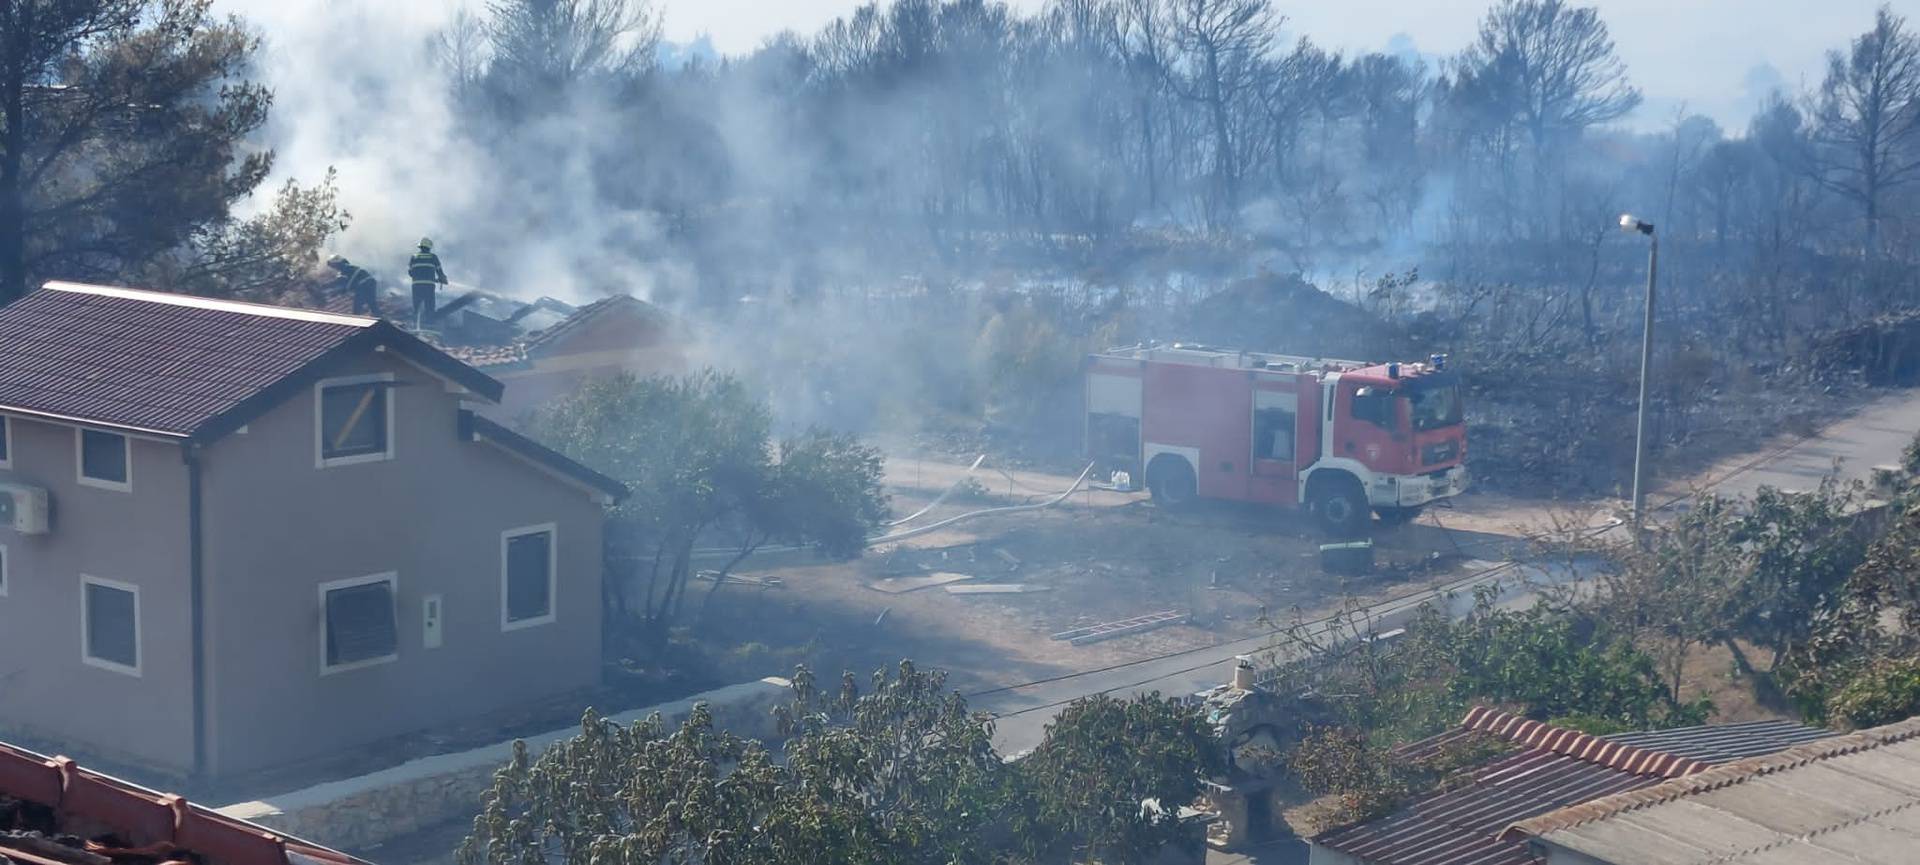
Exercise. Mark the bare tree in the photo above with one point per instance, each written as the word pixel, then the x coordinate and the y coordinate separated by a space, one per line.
pixel 543 47
pixel 1221 45
pixel 1867 119
pixel 1548 69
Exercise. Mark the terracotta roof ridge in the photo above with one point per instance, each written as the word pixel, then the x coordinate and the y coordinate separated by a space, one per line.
pixel 235 306
pixel 1578 745
pixel 1715 778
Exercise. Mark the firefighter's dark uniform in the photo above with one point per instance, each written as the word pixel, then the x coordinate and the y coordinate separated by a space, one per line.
pixel 424 270
pixel 362 286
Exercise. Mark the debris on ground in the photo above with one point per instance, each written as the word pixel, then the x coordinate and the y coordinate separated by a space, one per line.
pixel 997 589
pixel 1123 627
pixel 899 585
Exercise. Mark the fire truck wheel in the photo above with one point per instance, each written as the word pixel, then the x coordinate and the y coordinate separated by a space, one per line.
pixel 1170 480
pixel 1341 504
pixel 1391 517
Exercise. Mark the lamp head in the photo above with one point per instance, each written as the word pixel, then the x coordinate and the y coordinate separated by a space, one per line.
pixel 1629 223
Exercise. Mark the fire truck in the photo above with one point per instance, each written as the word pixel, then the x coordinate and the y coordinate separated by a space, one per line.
pixel 1342 438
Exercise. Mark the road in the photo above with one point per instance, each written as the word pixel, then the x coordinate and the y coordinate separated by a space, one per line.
pixel 1876 434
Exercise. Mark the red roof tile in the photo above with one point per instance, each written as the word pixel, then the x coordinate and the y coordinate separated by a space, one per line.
pixel 1561 768
pixel 121 820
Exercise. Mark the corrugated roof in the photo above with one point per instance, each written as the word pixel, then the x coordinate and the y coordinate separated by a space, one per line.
pixel 1560 768
pixel 1721 743
pixel 171 364
pixel 127 823
pixel 1853 798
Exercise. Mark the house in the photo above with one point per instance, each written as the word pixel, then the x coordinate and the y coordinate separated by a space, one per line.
pixel 1853 799
pixel 48 804
pixel 1539 769
pixel 544 349
pixel 236 536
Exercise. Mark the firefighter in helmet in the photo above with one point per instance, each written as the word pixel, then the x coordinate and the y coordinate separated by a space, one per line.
pixel 357 281
pixel 424 270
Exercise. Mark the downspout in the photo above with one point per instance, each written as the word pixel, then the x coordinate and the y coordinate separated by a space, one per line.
pixel 196 600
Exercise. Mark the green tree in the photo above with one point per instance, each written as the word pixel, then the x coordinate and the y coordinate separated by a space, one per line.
pixel 1109 777
pixel 697 451
pixel 903 774
pixel 123 132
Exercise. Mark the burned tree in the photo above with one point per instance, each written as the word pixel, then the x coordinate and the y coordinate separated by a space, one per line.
pixel 1867 121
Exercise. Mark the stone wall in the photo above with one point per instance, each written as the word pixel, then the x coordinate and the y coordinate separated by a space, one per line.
pixel 360 812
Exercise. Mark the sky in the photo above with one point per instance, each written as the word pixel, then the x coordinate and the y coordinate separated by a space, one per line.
pixel 1716 57
pixel 1710 55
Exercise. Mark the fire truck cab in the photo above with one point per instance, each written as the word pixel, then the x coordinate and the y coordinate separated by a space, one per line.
pixel 1342 438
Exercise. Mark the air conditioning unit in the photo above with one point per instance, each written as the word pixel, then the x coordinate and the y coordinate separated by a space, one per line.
pixel 23 508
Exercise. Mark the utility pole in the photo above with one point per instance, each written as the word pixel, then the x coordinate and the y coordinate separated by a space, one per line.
pixel 1628 223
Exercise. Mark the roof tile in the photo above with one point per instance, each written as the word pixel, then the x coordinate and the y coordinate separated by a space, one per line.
pixel 151 361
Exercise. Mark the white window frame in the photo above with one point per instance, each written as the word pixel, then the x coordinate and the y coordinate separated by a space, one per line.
pixel 80 460
pixel 86 620
pixel 320 458
pixel 6 435
pixel 6 570
pixel 553 576
pixel 392 578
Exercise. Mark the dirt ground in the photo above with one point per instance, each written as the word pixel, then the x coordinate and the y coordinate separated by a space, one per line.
pixel 1098 556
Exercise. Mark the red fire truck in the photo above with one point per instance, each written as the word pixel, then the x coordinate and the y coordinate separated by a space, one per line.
pixel 1342 437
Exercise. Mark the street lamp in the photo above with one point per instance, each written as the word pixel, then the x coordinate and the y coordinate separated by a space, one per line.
pixel 1629 224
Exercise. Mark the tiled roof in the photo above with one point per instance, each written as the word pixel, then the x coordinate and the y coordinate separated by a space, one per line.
pixel 1559 768
pixel 174 365
pixel 485 356
pixel 588 313
pixel 126 823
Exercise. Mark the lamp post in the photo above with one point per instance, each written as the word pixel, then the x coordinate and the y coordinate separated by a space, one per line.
pixel 1630 224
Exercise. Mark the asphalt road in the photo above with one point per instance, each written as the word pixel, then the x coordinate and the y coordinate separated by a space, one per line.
pixel 1872 436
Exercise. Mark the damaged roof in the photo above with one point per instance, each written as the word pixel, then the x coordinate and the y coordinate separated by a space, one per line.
pixel 1853 798
pixel 1559 768
pixel 178 365
pixel 49 804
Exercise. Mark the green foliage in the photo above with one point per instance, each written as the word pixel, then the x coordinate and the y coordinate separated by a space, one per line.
pixel 902 774
pixel 1910 457
pixel 1110 776
pixel 1367 780
pixel 697 454
pixel 1886 692
pixel 128 133
pixel 276 248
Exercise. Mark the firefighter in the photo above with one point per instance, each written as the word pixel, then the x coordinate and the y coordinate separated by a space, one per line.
pixel 360 283
pixel 424 270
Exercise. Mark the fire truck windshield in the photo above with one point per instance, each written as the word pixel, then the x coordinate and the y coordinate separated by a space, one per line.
pixel 1435 405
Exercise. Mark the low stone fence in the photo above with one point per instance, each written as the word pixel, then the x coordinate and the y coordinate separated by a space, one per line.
pixel 432 791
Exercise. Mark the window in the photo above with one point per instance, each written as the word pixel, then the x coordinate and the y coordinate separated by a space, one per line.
pixel 110 625
pixel 1374 406
pixel 1274 424
pixel 1435 407
pixel 354 418
pixel 6 442
pixel 105 459
pixel 358 627
pixel 526 577
pixel 1273 434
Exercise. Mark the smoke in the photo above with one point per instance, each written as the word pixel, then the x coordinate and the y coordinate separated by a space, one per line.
pixel 357 88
